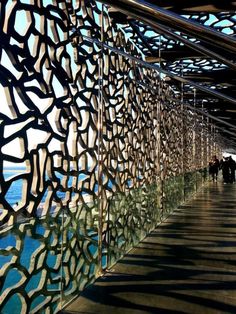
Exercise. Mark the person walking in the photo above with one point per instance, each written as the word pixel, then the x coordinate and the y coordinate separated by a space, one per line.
pixel 232 167
pixel 214 168
pixel 224 166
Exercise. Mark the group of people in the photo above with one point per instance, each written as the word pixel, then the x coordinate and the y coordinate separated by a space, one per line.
pixel 228 167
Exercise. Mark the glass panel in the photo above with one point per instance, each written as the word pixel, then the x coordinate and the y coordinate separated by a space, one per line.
pixel 30 260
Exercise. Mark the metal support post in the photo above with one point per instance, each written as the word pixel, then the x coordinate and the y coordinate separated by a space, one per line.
pixel 100 149
pixel 182 135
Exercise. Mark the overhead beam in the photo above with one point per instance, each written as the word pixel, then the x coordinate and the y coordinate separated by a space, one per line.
pixel 161 70
pixel 217 76
pixel 175 54
pixel 142 37
pixel 197 5
pixel 151 13
pixel 210 106
pixel 169 32
pixel 196 47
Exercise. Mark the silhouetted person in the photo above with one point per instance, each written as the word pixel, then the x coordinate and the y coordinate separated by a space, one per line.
pixel 232 167
pixel 224 166
pixel 214 165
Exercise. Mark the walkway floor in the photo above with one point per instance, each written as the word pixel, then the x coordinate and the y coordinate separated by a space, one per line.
pixel 187 265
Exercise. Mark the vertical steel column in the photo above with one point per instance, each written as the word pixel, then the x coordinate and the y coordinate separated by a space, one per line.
pixel 100 147
pixel 156 149
pixel 203 145
pixel 159 151
pixel 160 170
pixel 137 158
pixel 61 262
pixel 202 141
pixel 195 168
pixel 208 150
pixel 214 140
pixel 182 135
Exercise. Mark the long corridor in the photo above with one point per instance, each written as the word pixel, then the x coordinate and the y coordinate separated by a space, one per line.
pixel 187 265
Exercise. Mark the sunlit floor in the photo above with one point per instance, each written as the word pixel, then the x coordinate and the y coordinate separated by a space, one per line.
pixel 187 265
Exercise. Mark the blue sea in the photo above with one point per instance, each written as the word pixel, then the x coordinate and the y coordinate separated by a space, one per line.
pixel 14 194
pixel 30 244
